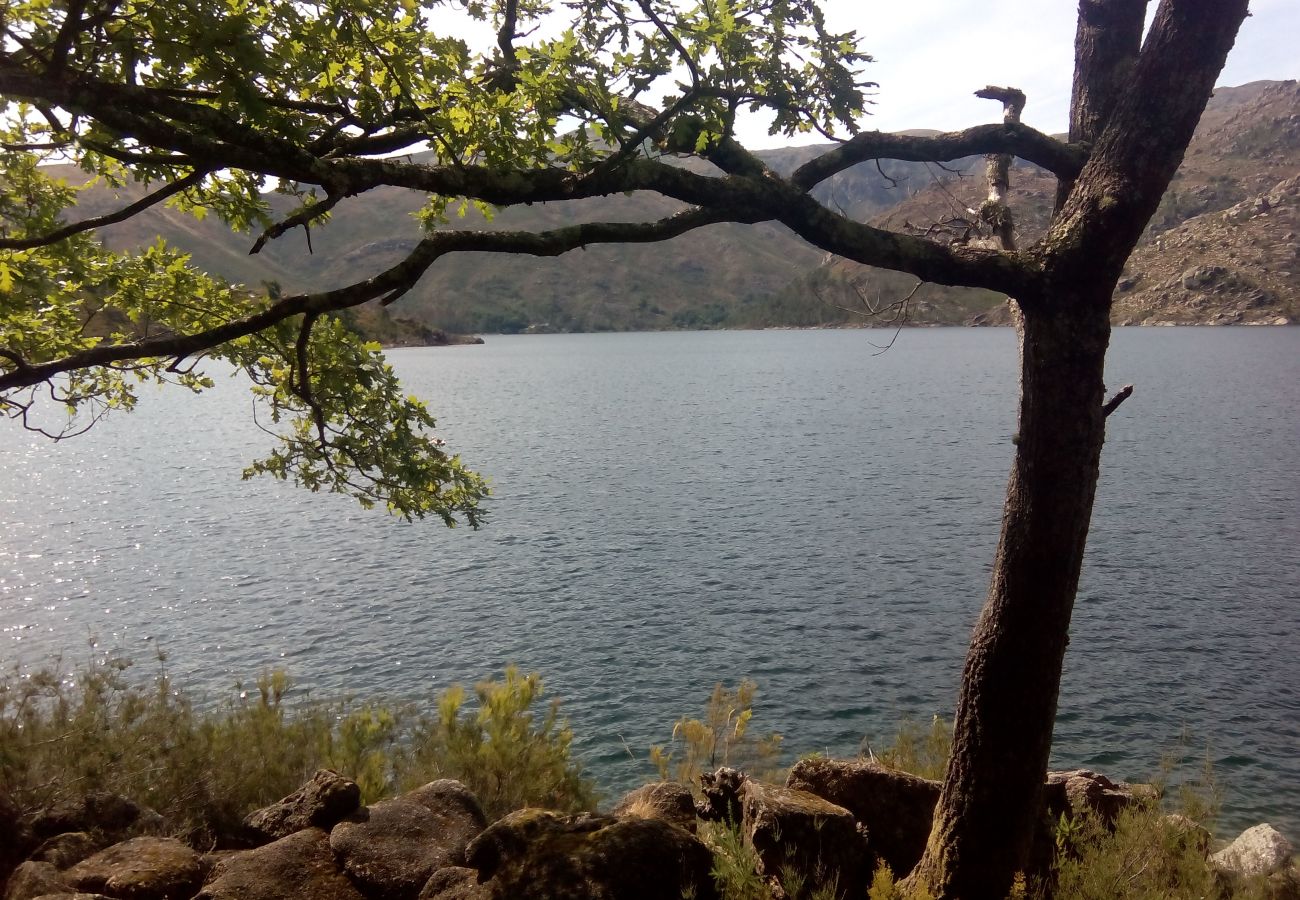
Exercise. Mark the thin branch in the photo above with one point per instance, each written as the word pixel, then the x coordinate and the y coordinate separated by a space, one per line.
pixel 1113 403
pixel 304 217
pixel 122 214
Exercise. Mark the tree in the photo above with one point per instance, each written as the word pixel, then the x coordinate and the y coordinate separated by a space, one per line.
pixel 213 100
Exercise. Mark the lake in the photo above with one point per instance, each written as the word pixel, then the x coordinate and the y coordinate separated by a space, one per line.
pixel 677 509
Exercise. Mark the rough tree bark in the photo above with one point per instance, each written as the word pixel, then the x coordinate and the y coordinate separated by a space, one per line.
pixel 1140 112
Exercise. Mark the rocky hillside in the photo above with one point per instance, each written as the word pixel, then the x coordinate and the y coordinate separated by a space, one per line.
pixel 759 276
pixel 1244 155
pixel 1240 266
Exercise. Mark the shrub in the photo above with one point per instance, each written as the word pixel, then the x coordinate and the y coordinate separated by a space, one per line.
pixel 205 769
pixel 501 751
pixel 921 752
pixel 721 738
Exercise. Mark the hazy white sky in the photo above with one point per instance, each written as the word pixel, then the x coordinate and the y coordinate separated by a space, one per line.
pixel 931 55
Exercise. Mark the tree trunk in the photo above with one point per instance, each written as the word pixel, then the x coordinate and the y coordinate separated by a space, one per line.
pixel 1141 124
pixel 1003 734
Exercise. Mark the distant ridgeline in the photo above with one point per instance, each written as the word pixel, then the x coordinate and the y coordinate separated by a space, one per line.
pixel 1222 249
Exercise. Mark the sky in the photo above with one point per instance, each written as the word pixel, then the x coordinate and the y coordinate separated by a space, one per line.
pixel 932 55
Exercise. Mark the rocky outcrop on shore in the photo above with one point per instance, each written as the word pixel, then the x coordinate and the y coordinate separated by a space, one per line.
pixel 831 825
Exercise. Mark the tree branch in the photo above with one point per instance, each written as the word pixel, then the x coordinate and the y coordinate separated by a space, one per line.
pixel 122 214
pixel 390 283
pixel 1062 160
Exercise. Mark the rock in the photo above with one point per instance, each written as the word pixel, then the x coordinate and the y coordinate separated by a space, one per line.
pixel 32 879
pixel 322 802
pixel 666 800
pixel 99 811
pixel 15 837
pixel 1081 792
pixel 1260 850
pixel 1201 276
pixel 796 833
pixel 143 868
pixel 76 895
pixel 894 807
pixel 295 867
pixel 533 854
pixel 66 850
pixel 393 847
pixel 454 883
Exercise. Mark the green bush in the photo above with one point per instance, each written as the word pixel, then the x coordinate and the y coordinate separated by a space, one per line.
pixel 918 751
pixel 205 769
pixel 721 738
pixel 501 751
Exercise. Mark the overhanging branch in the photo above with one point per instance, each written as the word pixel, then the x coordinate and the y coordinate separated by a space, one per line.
pixel 1062 160
pixel 390 283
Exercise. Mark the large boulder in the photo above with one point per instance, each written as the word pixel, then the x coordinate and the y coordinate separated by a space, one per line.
pixel 32 879
pixel 666 800
pixel 533 854
pixel 721 795
pixel 322 802
pixel 800 837
pixel 895 808
pixel 143 868
pixel 292 868
pixel 392 848
pixel 1261 850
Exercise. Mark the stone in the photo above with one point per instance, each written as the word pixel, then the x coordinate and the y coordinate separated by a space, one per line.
pixel 143 868
pixel 32 879
pixel 1081 792
pixel 294 867
pixel 1201 276
pixel 393 847
pixel 66 850
pixel 797 834
pixel 454 883
pixel 895 808
pixel 666 800
pixel 1261 850
pixel 322 802
pixel 15 837
pixel 534 854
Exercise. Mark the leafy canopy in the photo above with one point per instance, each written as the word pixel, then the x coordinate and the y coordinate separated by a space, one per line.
pixel 210 104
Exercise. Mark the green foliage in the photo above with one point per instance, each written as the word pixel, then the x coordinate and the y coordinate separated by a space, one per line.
pixel 735 863
pixel 205 768
pixel 721 738
pixel 918 751
pixel 213 103
pixel 502 751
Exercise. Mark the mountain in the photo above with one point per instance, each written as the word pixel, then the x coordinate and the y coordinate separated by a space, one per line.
pixel 1245 149
pixel 758 276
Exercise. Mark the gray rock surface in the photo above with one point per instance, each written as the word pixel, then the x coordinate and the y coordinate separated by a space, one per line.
pixel 143 868
pixel 322 802
pixel 455 883
pixel 798 834
pixel 97 811
pixel 32 879
pixel 392 848
pixel 1261 850
pixel 533 854
pixel 297 867
pixel 895 808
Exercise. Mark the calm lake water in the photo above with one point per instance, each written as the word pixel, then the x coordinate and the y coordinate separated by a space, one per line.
pixel 674 510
